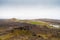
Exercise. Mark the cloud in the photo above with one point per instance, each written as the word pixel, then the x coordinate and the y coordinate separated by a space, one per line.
pixel 29 12
pixel 31 2
pixel 30 8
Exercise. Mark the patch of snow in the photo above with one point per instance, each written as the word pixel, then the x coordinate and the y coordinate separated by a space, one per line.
pixel 57 26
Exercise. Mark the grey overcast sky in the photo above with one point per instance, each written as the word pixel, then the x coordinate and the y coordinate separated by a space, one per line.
pixel 30 9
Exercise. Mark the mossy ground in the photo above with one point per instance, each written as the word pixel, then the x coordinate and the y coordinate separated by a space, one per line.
pixel 28 33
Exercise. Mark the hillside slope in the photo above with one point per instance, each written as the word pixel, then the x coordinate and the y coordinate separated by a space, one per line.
pixel 27 30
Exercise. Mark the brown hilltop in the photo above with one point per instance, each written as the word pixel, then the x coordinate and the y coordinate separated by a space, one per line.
pixel 38 32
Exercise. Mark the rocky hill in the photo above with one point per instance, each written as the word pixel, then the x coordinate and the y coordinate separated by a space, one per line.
pixel 27 30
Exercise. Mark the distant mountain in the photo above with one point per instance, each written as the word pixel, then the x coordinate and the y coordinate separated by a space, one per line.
pixel 49 20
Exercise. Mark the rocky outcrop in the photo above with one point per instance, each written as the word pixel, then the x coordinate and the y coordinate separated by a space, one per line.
pixel 35 29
